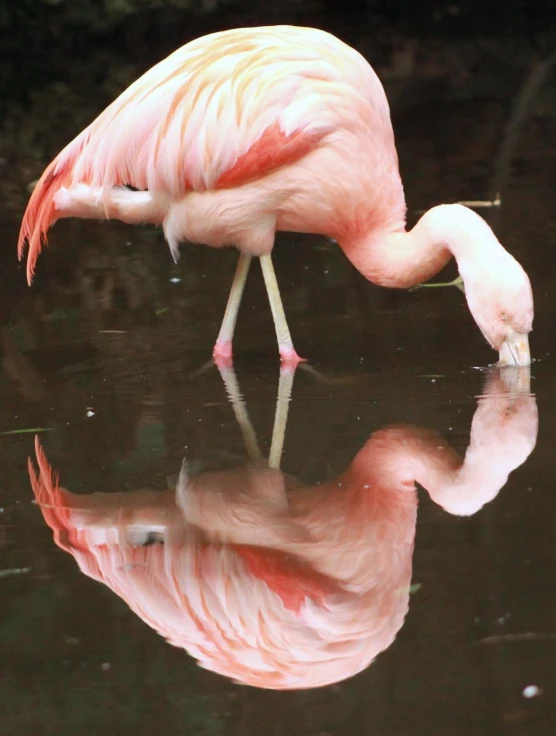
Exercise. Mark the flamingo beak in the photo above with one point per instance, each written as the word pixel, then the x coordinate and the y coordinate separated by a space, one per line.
pixel 515 350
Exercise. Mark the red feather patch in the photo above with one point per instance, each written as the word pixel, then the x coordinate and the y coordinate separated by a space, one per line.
pixel 273 150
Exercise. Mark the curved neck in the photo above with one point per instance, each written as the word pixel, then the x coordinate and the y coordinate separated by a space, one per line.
pixel 400 259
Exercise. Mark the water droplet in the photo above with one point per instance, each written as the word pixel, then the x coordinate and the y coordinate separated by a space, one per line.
pixel 531 691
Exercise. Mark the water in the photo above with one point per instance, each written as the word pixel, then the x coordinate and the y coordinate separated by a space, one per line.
pixel 104 353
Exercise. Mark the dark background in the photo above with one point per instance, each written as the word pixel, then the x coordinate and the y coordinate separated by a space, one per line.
pixel 62 61
pixel 473 99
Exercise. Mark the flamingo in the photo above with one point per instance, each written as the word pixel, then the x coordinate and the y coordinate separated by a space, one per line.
pixel 250 131
pixel 275 584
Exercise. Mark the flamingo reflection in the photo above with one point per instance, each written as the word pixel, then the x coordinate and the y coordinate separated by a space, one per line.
pixel 272 583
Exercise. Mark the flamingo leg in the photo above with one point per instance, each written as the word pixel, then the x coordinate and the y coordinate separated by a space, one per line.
pixel 281 415
pixel 223 346
pixel 285 344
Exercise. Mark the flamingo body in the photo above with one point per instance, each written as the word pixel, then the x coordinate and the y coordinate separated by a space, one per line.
pixel 243 133
pixel 225 112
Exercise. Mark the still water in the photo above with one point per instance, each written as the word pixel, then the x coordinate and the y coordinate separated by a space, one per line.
pixel 423 609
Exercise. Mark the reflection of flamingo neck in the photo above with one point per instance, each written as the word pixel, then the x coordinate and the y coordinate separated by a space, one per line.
pixel 396 458
pixel 393 459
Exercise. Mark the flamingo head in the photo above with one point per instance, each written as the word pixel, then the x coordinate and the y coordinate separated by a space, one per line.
pixel 500 298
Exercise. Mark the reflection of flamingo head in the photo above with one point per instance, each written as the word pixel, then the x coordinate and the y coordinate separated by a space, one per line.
pixel 315 606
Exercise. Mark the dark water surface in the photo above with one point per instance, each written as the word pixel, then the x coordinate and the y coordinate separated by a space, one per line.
pixel 103 353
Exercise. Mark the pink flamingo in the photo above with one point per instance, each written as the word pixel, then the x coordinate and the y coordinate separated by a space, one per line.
pixel 277 585
pixel 242 133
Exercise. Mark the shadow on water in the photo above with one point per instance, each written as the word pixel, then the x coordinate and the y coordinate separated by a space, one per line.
pixel 314 529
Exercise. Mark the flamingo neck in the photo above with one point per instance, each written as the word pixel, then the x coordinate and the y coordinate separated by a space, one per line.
pixel 399 259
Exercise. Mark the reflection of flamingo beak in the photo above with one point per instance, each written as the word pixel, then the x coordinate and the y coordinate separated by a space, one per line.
pixel 515 350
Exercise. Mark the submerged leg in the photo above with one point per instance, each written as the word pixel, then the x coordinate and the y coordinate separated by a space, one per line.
pixel 285 344
pixel 223 346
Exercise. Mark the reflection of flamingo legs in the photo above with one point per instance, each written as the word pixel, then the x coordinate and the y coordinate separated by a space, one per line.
pixel 285 387
pixel 240 410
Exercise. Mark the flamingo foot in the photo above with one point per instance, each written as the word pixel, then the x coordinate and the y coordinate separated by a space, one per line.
pixel 222 350
pixel 289 358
